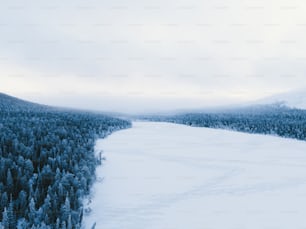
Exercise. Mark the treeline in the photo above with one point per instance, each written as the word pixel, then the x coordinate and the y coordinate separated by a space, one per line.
pixel 276 120
pixel 47 164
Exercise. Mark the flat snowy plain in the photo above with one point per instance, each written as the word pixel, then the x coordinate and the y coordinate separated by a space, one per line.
pixel 169 176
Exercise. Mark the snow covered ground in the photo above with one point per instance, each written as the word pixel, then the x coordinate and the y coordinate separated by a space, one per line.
pixel 168 176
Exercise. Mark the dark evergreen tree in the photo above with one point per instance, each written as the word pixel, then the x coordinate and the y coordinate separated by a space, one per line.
pixel 32 212
pixel 9 181
pixel 5 220
pixel 11 215
pixel 69 222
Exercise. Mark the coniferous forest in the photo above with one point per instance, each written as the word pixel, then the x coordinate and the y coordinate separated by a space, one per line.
pixel 274 119
pixel 47 162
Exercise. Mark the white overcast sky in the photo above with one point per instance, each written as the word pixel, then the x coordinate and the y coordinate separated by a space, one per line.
pixel 148 55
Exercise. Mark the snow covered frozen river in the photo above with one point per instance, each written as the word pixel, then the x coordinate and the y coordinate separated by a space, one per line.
pixel 168 176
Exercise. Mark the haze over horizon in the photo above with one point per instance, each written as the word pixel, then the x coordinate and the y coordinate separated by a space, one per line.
pixel 140 56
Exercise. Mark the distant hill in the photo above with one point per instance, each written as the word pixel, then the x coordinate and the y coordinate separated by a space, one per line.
pixel 293 99
pixel 10 103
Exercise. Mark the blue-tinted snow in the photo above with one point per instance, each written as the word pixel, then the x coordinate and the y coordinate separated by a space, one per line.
pixel 161 175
